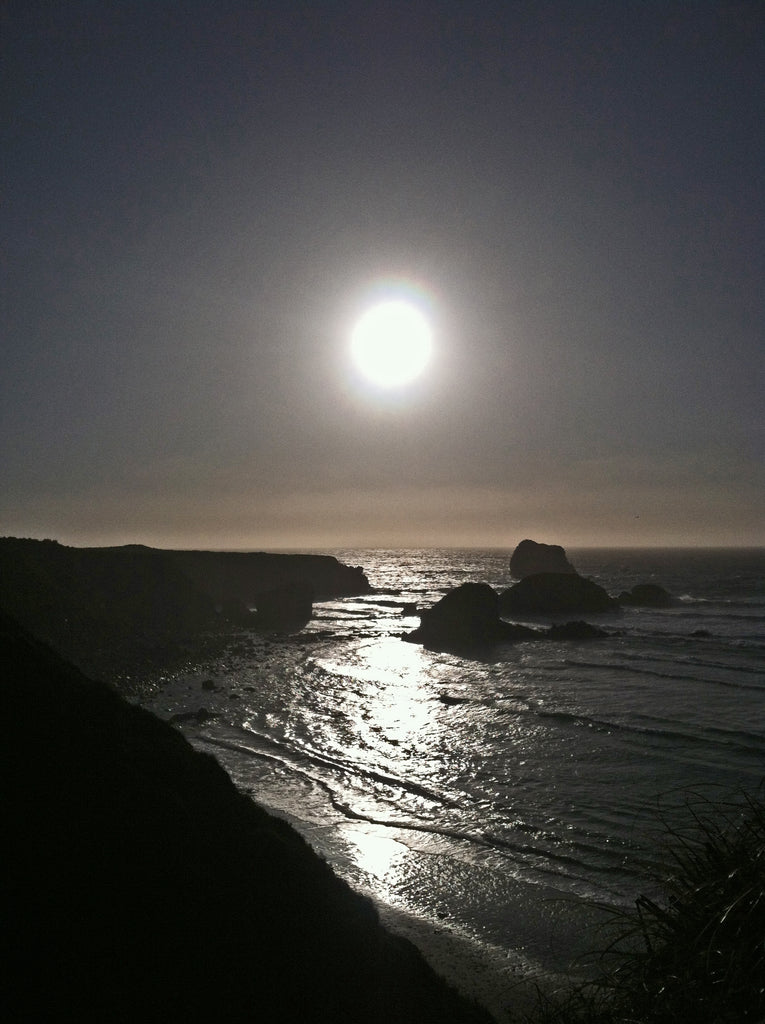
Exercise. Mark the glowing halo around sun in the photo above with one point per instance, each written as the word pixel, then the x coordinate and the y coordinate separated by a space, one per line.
pixel 392 342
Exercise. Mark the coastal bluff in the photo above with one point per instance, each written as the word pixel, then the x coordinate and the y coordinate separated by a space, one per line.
pixel 139 884
pixel 134 605
pixel 239 576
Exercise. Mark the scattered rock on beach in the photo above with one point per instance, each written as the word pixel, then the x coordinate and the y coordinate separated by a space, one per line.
pixel 451 701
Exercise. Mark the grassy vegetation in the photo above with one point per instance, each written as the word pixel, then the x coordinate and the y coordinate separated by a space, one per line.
pixel 697 954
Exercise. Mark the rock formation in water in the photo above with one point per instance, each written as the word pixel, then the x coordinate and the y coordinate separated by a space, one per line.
pixel 138 884
pixel 577 630
pixel 530 557
pixel 550 593
pixel 646 595
pixel 467 617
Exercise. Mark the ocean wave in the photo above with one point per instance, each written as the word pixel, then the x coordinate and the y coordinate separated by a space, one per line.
pixel 712 610
pixel 535 855
pixel 622 667
pixel 665 729
pixel 302 756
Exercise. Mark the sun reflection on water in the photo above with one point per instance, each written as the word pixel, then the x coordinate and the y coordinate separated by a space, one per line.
pixel 389 659
pixel 396 698
pixel 374 853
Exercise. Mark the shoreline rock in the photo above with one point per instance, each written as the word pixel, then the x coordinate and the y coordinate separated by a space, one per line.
pixel 467 620
pixel 576 630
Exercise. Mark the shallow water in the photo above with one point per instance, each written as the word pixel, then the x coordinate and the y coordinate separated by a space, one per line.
pixel 498 796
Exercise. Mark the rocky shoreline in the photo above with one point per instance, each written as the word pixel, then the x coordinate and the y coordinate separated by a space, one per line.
pixel 126 613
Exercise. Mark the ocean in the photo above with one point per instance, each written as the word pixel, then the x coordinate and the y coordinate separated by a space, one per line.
pixel 510 799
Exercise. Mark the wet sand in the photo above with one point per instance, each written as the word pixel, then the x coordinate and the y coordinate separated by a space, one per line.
pixel 497 979
pixel 505 979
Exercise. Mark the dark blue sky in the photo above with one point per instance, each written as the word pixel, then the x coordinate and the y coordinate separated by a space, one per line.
pixel 201 197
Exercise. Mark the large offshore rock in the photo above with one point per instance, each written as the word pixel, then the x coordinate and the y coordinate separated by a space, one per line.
pixel 552 593
pixel 531 557
pixel 467 617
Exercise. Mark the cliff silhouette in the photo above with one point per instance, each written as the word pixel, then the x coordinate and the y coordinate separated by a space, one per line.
pixel 117 609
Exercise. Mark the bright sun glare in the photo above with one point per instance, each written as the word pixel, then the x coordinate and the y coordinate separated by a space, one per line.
pixel 391 343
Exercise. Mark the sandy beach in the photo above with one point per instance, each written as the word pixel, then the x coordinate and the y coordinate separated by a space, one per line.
pixel 493 977
pixel 505 979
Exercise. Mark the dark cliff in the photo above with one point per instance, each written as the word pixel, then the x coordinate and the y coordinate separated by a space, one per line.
pixel 122 608
pixel 241 576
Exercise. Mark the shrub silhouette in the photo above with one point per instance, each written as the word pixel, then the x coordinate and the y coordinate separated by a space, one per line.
pixel 697 953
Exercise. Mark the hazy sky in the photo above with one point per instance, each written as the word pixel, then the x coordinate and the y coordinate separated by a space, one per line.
pixel 201 198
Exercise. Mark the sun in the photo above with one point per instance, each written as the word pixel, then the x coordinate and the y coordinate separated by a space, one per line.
pixel 391 343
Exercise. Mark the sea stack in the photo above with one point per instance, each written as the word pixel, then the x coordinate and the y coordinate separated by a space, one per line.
pixel 531 557
pixel 467 617
pixel 555 593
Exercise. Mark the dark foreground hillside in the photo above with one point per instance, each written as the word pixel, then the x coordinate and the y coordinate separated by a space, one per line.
pixel 139 885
